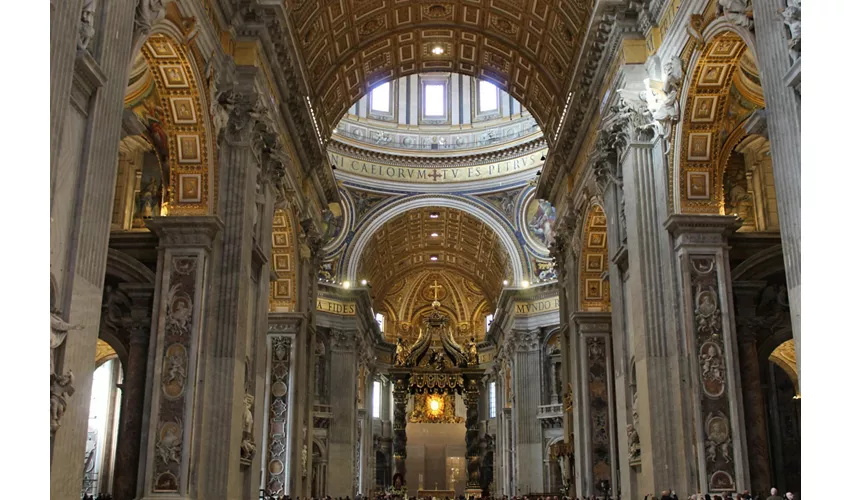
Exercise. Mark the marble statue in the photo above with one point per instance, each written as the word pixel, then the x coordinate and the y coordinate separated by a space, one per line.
pixel 792 17
pixel 472 351
pixel 402 351
pixel 739 12
pixel 634 442
pixel 247 449
pixel 86 24
pixel 61 384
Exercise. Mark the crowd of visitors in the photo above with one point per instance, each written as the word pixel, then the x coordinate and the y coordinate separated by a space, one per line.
pixel 665 495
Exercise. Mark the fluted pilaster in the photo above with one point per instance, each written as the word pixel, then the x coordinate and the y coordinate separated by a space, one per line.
pixel 783 121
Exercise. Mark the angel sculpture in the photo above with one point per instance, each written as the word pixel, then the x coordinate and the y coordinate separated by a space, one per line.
pixel 401 352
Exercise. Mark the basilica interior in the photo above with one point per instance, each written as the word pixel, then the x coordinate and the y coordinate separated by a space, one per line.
pixel 480 248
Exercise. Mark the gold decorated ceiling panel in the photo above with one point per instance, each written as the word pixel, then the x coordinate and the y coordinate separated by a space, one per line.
pixel 407 243
pixel 525 46
pixel 461 300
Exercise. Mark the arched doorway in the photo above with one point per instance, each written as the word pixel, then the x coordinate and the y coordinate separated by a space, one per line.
pixel 103 423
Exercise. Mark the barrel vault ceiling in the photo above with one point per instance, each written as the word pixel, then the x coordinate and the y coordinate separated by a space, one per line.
pixel 462 244
pixel 528 47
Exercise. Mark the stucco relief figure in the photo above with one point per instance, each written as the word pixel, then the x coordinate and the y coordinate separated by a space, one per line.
pixel 61 385
pixel 179 313
pixel 713 369
pixel 86 24
pixel 170 443
pixel 717 438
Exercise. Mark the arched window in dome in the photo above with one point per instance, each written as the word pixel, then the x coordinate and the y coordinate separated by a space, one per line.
pixel 379 98
pixel 488 96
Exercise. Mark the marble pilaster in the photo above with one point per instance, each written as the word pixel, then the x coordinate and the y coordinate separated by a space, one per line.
pixel 708 324
pixel 237 284
pixel 783 120
pixel 595 441
pixel 527 374
pixel 609 182
pixel 659 362
pixel 128 448
pixel 342 433
pixel 85 117
pixel 183 270
pixel 277 408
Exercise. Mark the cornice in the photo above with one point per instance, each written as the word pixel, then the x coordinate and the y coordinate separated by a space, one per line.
pixel 443 162
pixel 611 23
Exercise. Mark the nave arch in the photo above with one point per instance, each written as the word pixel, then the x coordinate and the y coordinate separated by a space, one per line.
pixel 354 253
pixel 168 98
pixel 721 110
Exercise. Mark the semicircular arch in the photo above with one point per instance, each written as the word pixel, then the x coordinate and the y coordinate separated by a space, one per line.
pixel 518 262
pixel 177 122
pixel 700 141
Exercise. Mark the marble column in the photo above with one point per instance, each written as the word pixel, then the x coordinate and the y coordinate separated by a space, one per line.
pixel 782 102
pixel 471 396
pixel 666 456
pixel 705 303
pixel 400 426
pixel 527 374
pixel 277 436
pixel 747 295
pixel 595 440
pixel 342 433
pixel 183 269
pixel 128 448
pixel 309 256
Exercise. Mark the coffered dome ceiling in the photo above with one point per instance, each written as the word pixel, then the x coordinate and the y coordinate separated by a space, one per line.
pixel 526 47
pixel 406 244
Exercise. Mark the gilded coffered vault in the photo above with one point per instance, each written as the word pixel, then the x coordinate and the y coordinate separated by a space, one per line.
pixel 525 47
pixel 452 240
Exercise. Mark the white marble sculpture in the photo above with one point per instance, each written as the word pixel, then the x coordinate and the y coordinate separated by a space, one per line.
pixel 739 12
pixel 792 16
pixel 61 384
pixel 86 24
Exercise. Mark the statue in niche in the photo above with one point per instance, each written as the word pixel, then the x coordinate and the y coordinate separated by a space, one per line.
pixel 632 429
pixel 471 351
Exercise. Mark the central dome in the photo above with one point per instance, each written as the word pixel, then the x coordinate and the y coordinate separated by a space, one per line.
pixel 436 128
